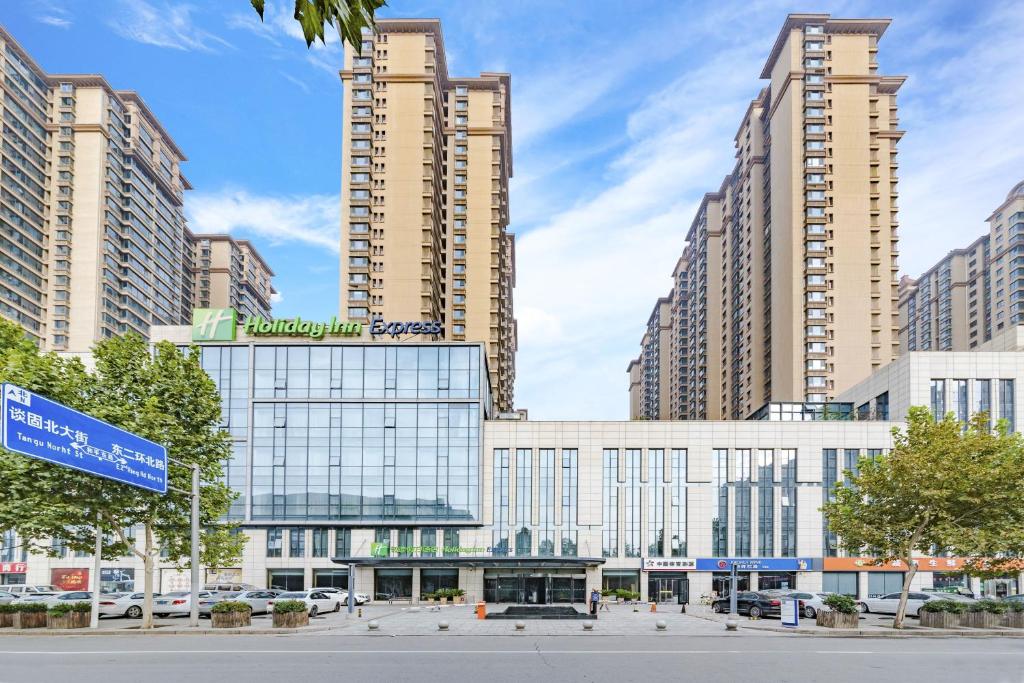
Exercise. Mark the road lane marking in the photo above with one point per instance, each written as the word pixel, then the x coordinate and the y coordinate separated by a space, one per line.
pixel 504 652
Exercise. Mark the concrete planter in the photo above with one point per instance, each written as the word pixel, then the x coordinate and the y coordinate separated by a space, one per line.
pixel 233 619
pixel 829 619
pixel 1011 619
pixel 940 619
pixel 69 620
pixel 6 619
pixel 981 619
pixel 29 620
pixel 291 619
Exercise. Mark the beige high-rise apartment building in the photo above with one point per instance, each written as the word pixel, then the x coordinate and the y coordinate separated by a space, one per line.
pixel 792 293
pixel 230 273
pixel 93 241
pixel 972 294
pixel 650 382
pixel 426 164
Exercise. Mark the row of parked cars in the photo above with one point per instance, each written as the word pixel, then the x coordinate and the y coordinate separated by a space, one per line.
pixel 179 603
pixel 768 603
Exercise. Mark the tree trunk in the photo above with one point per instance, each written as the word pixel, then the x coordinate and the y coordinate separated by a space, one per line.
pixel 147 571
pixel 901 611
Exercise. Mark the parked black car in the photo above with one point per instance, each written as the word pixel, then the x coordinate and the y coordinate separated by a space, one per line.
pixel 753 603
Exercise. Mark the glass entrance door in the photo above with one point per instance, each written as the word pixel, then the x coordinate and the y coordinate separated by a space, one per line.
pixel 674 590
pixel 536 590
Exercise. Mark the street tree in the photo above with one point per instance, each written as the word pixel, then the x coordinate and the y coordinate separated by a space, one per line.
pixel 160 394
pixel 348 17
pixel 944 487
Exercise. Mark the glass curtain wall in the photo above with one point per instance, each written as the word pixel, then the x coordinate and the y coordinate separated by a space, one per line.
pixel 983 398
pixel 829 477
pixel 787 476
pixel 1006 403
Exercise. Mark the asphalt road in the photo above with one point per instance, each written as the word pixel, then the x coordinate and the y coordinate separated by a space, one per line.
pixel 493 659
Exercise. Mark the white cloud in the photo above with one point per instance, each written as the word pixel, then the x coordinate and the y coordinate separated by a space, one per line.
pixel 53 13
pixel 166 25
pixel 589 277
pixel 308 219
pixel 961 107
pixel 298 82
pixel 54 20
pixel 276 297
pixel 280 28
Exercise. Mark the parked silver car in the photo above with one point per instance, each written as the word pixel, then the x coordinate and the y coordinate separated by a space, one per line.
pixel 259 600
pixel 888 604
pixel 176 603
pixel 7 598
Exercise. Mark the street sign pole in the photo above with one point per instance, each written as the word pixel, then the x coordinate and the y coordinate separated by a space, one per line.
pixel 351 588
pixel 193 615
pixel 732 589
pixel 94 616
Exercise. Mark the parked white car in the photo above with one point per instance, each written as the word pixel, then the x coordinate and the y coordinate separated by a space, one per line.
pixel 813 602
pixel 360 598
pixel 259 600
pixel 124 604
pixel 316 601
pixel 7 598
pixel 888 604
pixel 22 590
pixel 176 603
pixel 69 597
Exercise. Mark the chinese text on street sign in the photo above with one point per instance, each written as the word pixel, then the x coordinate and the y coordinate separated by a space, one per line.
pixel 40 428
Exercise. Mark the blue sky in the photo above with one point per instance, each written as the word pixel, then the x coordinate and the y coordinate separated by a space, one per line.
pixel 623 116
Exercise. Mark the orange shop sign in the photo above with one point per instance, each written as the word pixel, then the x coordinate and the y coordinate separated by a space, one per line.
pixel 868 564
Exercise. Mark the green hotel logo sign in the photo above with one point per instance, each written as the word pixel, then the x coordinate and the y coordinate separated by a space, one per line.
pixel 214 324
pixel 380 549
pixel 222 324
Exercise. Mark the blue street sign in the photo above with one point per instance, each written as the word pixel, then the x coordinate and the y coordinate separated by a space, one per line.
pixel 40 428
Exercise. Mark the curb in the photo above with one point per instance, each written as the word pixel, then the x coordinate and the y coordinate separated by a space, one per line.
pixel 913 632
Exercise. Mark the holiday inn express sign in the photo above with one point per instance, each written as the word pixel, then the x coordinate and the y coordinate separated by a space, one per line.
pixel 221 324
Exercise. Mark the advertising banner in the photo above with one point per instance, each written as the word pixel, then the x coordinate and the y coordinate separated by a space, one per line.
pixel 754 564
pixel 117 580
pixel 70 578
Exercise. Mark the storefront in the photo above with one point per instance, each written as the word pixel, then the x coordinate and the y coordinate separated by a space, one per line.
pixel 330 578
pixel 772 572
pixel 12 573
pixel 535 587
pixel 286 579
pixel 668 578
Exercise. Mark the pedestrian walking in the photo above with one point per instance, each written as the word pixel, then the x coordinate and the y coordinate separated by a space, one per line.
pixel 595 597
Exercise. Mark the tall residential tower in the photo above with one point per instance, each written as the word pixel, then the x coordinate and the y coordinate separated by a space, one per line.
pixel 792 262
pixel 426 164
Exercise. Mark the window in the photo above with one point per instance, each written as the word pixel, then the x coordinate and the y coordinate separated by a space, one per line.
pixel 546 503
pixel 815 280
pixel 816 364
pixel 1006 403
pixel 631 491
pixel 524 500
pixel 321 542
pixel 297 543
pixel 679 509
pixel 609 534
pixel 815 211
pixel 343 543
pixel 983 398
pixel 844 583
pixel 741 492
pixel 570 460
pixel 815 297
pixel 720 522
pixel 765 503
pixel 787 470
pixel 358 312
pixel 816 347
pixel 275 541
pixel 938 398
pixel 499 518
pixel 960 397
pixel 656 502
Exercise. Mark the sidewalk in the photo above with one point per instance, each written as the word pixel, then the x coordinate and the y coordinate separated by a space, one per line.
pixel 870 626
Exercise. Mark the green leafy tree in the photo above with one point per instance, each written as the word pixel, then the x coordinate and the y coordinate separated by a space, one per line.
pixel 158 393
pixel 944 486
pixel 348 17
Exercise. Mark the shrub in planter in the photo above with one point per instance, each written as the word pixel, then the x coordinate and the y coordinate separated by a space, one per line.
pixel 29 615
pixel 69 615
pixel 6 616
pixel 942 613
pixel 984 614
pixel 841 612
pixel 230 614
pixel 1014 616
pixel 290 614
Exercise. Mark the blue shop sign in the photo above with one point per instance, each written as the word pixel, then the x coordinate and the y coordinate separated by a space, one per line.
pixel 754 564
